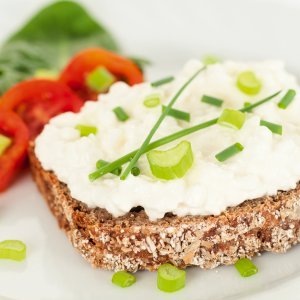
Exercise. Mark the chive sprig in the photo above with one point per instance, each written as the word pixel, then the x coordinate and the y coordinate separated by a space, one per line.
pixel 162 81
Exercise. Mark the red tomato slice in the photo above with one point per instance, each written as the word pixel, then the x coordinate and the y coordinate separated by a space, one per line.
pixel 11 125
pixel 74 75
pixel 38 100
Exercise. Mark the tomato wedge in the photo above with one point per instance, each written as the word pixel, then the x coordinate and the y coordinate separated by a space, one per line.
pixel 12 126
pixel 74 75
pixel 36 101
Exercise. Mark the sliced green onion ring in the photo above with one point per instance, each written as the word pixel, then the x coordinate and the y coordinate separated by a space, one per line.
pixel 178 114
pixel 170 279
pixel 120 114
pixel 287 99
pixel 123 279
pixel 86 130
pixel 210 59
pixel 162 81
pixel 232 118
pixel 275 128
pixel 5 142
pixel 12 249
pixel 101 163
pixel 152 100
pixel 100 79
pixel 172 163
pixel 212 100
pixel 248 83
pixel 229 152
pixel 246 267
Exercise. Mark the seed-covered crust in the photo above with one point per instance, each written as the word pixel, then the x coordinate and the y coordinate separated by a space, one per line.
pixel 133 242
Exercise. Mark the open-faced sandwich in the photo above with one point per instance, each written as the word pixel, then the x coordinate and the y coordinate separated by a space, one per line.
pixel 197 169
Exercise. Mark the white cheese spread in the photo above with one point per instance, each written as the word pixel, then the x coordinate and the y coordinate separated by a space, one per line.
pixel 268 163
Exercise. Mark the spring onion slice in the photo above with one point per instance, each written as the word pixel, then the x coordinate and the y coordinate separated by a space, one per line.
pixel 229 152
pixel 212 100
pixel 101 163
pixel 232 118
pixel 135 171
pixel 170 138
pixel 170 279
pixel 85 130
pixel 246 267
pixel 172 163
pixel 100 79
pixel 178 114
pixel 157 124
pixel 275 128
pixel 162 81
pixel 12 249
pixel 210 60
pixel 152 100
pixel 121 114
pixel 5 142
pixel 248 83
pixel 123 279
pixel 287 99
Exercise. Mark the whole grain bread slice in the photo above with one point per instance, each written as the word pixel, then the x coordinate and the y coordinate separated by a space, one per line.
pixel 132 242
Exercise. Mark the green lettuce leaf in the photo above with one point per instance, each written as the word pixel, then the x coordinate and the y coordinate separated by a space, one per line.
pixel 48 41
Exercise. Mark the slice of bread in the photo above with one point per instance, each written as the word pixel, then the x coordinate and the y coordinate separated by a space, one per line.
pixel 132 242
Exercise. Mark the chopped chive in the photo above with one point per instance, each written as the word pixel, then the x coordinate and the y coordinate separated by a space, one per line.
pixel 210 60
pixel 248 83
pixel 157 124
pixel 232 118
pixel 5 142
pixel 247 104
pixel 100 79
pixel 246 267
pixel 120 114
pixel 101 163
pixel 287 99
pixel 162 81
pixel 212 100
pixel 275 128
pixel 170 279
pixel 86 130
pixel 229 152
pixel 123 279
pixel 152 100
pixel 168 139
pixel 178 114
pixel 135 171
pixel 12 249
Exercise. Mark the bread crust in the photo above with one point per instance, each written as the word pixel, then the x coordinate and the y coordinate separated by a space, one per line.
pixel 133 242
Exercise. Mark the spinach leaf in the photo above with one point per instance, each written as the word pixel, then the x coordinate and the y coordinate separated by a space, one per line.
pixel 48 40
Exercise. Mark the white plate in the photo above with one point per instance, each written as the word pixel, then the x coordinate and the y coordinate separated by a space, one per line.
pixel 168 33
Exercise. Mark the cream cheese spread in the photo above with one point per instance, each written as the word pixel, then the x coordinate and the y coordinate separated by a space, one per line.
pixel 268 163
